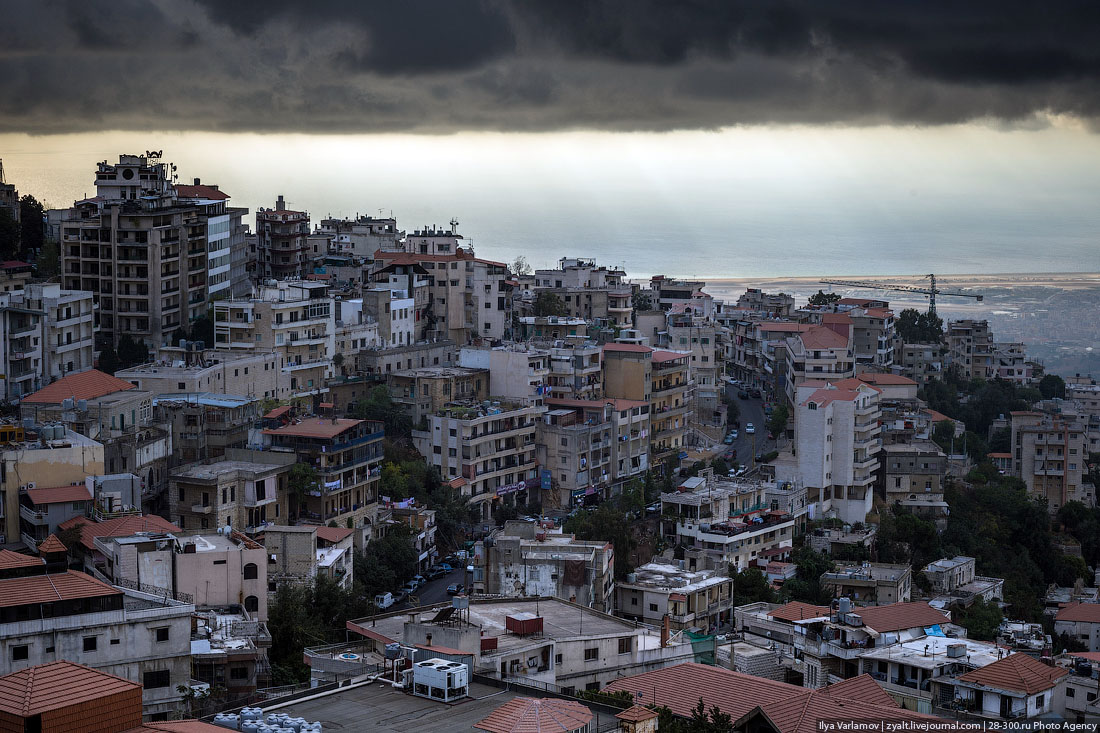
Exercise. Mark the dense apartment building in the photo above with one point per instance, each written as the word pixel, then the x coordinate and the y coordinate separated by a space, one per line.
pixel 243 490
pixel 837 446
pixel 722 522
pixel 869 583
pixel 253 375
pixel 489 445
pixel 281 248
pixel 141 249
pixel 589 448
pixel 205 424
pixel 1010 363
pixel 362 236
pixel 589 292
pixel 699 338
pixel 912 476
pixel 516 371
pixel 576 370
pixel 347 455
pixel 75 617
pixel 468 298
pixel 524 559
pixel 692 599
pixel 919 362
pixel 295 321
pixel 1049 454
pixel 9 196
pixel 817 353
pixel 424 391
pixel 224 235
pixel 771 305
pixel 643 374
pixel 970 348
pixel 45 334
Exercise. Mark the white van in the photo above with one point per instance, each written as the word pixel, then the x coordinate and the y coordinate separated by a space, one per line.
pixel 383 600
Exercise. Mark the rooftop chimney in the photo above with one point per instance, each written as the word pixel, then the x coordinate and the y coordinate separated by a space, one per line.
pixel 197 182
pixel 428 640
pixel 280 205
pixel 666 631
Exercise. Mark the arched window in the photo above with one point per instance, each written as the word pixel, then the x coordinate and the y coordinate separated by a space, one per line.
pixel 252 604
pixel 250 571
pixel 811 405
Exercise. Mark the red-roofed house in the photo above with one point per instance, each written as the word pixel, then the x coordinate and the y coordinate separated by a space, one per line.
pixel 1018 686
pixel 814 354
pixel 1081 622
pixel 42 510
pixel 82 386
pixel 837 445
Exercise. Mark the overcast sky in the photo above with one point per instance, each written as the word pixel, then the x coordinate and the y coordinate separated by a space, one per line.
pixel 538 65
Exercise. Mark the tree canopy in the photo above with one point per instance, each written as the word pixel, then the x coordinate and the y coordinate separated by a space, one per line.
pixel 915 327
pixel 32 231
pixel 549 304
pixel 1051 385
pixel 823 298
pixel 379 405
pixel 606 523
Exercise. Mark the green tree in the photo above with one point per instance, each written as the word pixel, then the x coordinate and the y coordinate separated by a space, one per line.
pixel 943 434
pixel 301 479
pixel 981 620
pixel 109 362
pixel 641 301
pixel 549 304
pixel 293 626
pixel 48 262
pixel 10 236
pixel 916 327
pixel 132 352
pixel 1051 385
pixel 806 585
pixel 32 230
pixel 750 586
pixel 387 563
pixel 777 421
pixel 823 298
pixel 609 524
pixel 379 405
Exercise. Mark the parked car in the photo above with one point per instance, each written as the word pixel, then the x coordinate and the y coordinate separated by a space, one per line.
pixel 436 572
pixel 756 394
pixel 728 440
pixel 743 395
pixel 734 434
pixel 384 600
pixel 419 580
pixel 400 595
pixel 409 587
pixel 750 428
pixel 653 508
pixel 455 589
pixel 447 567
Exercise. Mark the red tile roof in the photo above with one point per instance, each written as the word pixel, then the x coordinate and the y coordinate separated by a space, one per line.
pixel 856 301
pixel 998 455
pixel 797 611
pixel 14 265
pixel 1083 612
pixel 315 427
pixel 660 356
pixel 333 534
pixel 824 396
pixel 55 685
pixel 899 616
pixel 820 337
pixel 636 714
pixel 536 715
pixel 10 560
pixel 66 586
pixel 791 709
pixel 200 192
pixel 60 494
pixel 1091 656
pixel 52 544
pixel 785 327
pixel 119 527
pixel 1016 672
pixel 457 483
pixel 836 318
pixel 278 412
pixel 81 386
pixel 937 416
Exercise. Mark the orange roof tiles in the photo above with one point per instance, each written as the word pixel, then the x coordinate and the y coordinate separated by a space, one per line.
pixel 119 527
pixel 636 714
pixel 1083 612
pixel 998 455
pixel 200 192
pixel 54 685
pixel 536 715
pixel 82 386
pixel 937 416
pixel 315 428
pixel 277 412
pixel 10 560
pixel 899 616
pixel 1016 672
pixel 836 318
pixel 824 396
pixel 798 611
pixel 333 534
pixel 790 709
pixel 60 494
pixel 820 337
pixel 66 586
pixel 52 544
pixel 660 356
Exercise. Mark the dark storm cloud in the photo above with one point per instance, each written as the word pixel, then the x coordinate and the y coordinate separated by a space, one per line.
pixel 447 65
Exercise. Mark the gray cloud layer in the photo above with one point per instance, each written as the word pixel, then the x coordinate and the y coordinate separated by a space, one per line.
pixel 449 65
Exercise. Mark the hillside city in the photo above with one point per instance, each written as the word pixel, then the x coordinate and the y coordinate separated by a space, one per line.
pixel 263 471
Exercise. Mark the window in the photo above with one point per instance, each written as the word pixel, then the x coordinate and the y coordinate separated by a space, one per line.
pixel 591 653
pixel 557 659
pixel 181 386
pixel 652 606
pixel 252 604
pixel 20 652
pixel 238 673
pixel 89 643
pixel 1039 702
pixel 116 642
pixel 634 601
pixel 1070 692
pixel 250 571
pixel 156 678
pixel 162 633
pixel 624 645
pixel 592 686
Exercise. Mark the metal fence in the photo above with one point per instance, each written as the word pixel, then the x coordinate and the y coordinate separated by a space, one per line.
pixel 153 590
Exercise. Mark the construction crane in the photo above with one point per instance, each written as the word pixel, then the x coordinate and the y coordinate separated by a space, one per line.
pixel 931 291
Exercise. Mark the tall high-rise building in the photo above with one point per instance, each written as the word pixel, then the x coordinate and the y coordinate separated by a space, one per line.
pixel 140 245
pixel 281 248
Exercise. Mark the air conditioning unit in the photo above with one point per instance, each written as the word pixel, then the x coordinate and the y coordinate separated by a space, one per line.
pixel 31 485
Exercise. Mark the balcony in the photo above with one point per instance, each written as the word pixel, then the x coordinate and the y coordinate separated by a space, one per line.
pixel 32 516
pixel 201 509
